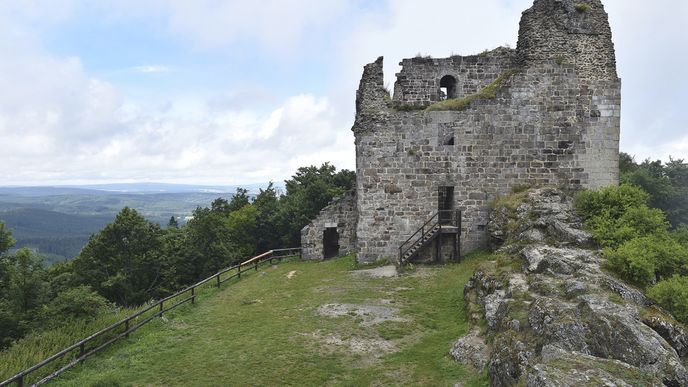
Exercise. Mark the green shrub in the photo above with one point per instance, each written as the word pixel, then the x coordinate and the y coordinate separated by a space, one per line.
pixel 672 295
pixel 644 260
pixel 581 7
pixel 636 222
pixel 612 201
pixel 79 302
pixel 615 215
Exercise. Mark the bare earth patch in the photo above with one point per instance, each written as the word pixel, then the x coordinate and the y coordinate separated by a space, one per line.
pixel 357 345
pixel 371 314
pixel 379 272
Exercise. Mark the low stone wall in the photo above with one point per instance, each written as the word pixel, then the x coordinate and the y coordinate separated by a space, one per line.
pixel 340 213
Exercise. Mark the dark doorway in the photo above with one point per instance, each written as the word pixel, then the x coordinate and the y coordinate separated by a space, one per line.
pixel 330 242
pixel 445 203
pixel 447 87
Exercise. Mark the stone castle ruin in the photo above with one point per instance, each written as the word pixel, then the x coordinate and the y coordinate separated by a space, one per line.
pixel 461 131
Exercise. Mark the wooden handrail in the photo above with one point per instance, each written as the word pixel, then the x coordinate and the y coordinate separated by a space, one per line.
pixel 19 378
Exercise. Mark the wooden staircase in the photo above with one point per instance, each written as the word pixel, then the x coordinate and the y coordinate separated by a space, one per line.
pixel 415 248
pixel 443 222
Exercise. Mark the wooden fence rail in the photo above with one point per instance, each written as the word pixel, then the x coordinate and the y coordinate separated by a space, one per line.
pixel 103 338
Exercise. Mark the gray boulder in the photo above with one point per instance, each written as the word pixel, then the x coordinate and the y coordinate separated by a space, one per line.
pixel 556 318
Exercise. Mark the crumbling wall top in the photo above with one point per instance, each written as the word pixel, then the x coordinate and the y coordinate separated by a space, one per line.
pixel 568 32
pixel 371 94
pixel 421 78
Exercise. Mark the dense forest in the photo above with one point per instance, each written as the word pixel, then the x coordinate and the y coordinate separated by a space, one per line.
pixel 133 260
pixel 55 235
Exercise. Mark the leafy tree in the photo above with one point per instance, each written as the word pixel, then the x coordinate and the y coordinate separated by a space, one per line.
pixel 27 280
pixel 308 192
pixel 23 290
pixel 220 206
pixel 626 163
pixel 10 327
pixel 666 184
pixel 6 240
pixel 122 262
pixel 267 232
pixel 239 200
pixel 9 318
pixel 76 303
pixel 210 243
pixel 172 223
pixel 677 172
pixel 61 277
pixel 242 224
pixel 178 269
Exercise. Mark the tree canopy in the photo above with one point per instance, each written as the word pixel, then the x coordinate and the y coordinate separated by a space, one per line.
pixel 666 183
pixel 133 260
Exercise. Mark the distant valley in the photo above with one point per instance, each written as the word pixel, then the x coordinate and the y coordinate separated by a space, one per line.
pixel 57 221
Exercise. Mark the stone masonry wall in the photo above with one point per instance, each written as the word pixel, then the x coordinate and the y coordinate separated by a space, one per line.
pixel 555 122
pixel 558 30
pixel 418 83
pixel 341 213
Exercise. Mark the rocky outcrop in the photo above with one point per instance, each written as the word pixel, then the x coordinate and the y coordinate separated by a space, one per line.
pixel 555 317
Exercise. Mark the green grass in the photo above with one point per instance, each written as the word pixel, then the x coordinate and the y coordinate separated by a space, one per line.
pixel 488 92
pixel 264 330
pixel 40 345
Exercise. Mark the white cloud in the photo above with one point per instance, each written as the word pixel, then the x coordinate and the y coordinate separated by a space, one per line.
pixel 676 148
pixel 48 105
pixel 433 27
pixel 151 69
pixel 651 45
pixel 280 26
pixel 59 123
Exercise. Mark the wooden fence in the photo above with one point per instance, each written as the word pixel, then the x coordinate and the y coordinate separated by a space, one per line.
pixel 81 350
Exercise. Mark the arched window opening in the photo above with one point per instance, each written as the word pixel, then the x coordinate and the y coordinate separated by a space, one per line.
pixel 447 87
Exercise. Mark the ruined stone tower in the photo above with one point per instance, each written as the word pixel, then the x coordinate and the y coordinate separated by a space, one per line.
pixel 463 130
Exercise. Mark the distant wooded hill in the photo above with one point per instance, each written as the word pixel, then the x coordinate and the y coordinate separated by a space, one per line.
pixel 57 221
pixel 58 236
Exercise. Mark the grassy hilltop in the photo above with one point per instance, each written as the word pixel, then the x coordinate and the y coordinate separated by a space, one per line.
pixel 303 323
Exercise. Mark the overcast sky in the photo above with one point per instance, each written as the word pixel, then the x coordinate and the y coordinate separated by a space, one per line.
pixel 238 92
